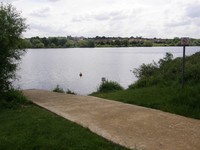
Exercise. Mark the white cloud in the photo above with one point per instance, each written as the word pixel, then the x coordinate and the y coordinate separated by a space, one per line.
pixel 152 18
pixel 193 11
pixel 45 12
pixel 53 0
pixel 8 1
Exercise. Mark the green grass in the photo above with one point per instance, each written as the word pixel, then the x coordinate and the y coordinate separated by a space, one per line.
pixel 158 86
pixel 30 127
pixel 26 126
pixel 171 99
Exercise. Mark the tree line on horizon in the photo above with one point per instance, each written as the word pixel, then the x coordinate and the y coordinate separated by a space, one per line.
pixel 82 42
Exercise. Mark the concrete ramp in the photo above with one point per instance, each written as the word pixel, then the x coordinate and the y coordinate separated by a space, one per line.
pixel 128 125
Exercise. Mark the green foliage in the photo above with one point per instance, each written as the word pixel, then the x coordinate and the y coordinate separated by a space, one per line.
pixel 145 71
pixel 161 88
pixel 82 43
pixel 148 43
pixel 36 43
pixel 90 43
pixel 70 92
pixel 171 99
pixel 11 27
pixel 32 128
pixel 109 86
pixel 168 72
pixel 58 89
pixel 71 42
pixel 12 99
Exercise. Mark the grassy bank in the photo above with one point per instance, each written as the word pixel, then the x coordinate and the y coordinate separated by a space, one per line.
pixel 175 100
pixel 159 87
pixel 26 126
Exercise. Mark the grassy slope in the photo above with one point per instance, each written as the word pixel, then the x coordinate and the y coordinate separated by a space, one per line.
pixel 30 127
pixel 184 102
pixel 160 88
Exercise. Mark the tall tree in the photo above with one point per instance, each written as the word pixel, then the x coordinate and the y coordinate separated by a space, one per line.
pixel 11 27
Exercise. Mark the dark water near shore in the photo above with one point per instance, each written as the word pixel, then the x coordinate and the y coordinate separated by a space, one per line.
pixel 45 68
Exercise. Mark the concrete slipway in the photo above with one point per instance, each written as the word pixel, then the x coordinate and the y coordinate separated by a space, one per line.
pixel 128 125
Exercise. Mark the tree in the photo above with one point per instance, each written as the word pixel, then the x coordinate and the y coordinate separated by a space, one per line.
pixel 82 43
pixel 37 43
pixel 91 43
pixel 69 43
pixel 148 43
pixel 11 27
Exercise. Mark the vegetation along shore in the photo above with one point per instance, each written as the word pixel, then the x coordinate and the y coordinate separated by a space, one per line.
pixel 24 125
pixel 159 87
pixel 74 42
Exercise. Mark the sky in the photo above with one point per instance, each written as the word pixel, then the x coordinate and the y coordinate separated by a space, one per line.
pixel 124 18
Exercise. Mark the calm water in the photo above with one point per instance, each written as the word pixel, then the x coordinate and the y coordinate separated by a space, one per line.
pixel 45 68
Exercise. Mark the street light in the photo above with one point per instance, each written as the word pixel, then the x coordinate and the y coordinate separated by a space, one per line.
pixel 184 43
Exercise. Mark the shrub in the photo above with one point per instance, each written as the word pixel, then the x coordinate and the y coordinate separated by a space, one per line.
pixel 109 86
pixel 70 92
pixel 167 72
pixel 12 99
pixel 58 89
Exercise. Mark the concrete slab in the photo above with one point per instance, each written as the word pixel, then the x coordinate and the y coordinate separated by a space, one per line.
pixel 128 125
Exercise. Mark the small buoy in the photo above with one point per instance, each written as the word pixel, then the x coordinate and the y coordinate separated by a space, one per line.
pixel 80 74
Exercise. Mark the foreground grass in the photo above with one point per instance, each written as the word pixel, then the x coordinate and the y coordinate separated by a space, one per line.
pixel 176 100
pixel 30 127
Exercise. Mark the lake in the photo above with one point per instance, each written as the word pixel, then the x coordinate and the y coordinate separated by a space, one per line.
pixel 46 68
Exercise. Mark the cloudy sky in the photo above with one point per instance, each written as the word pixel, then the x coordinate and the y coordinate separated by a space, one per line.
pixel 125 18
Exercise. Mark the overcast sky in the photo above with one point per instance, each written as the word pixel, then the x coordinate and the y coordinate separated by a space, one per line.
pixel 125 18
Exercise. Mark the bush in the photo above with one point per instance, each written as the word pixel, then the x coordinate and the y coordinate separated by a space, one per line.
pixel 58 89
pixel 12 99
pixel 70 92
pixel 168 72
pixel 109 86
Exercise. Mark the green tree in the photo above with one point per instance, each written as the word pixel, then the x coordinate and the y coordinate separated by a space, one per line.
pixel 61 41
pixel 82 43
pixel 45 41
pixel 148 43
pixel 26 43
pixel 11 27
pixel 125 43
pixel 69 43
pixel 91 43
pixel 177 41
pixel 37 43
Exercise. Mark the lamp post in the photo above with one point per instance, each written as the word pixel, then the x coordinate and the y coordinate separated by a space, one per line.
pixel 184 43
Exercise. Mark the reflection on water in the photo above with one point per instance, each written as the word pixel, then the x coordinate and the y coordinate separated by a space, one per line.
pixel 45 68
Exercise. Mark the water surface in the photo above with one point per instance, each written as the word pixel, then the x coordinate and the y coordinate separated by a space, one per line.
pixel 45 68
